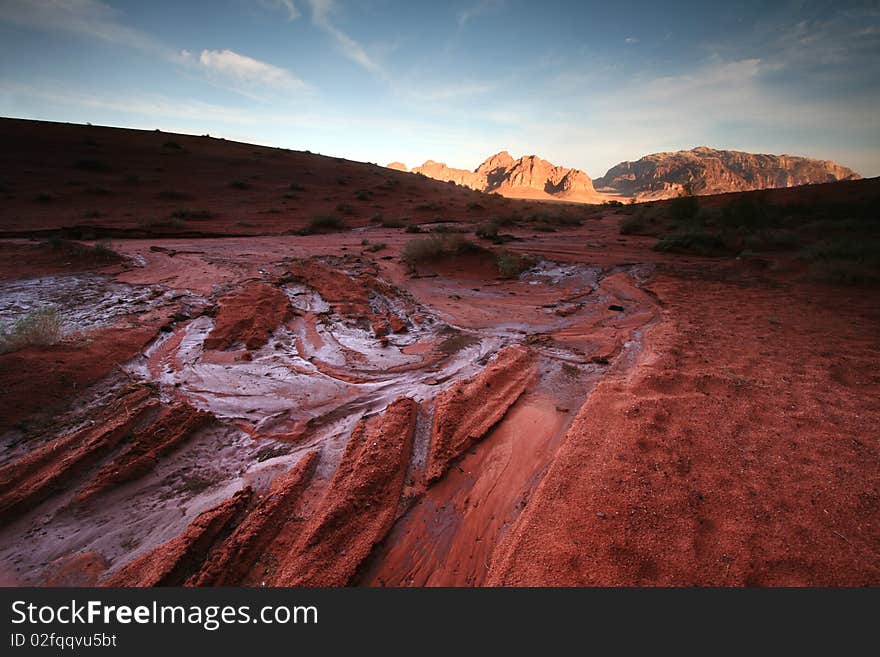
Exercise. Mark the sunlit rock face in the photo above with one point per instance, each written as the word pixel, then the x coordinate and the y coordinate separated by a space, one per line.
pixel 705 170
pixel 529 176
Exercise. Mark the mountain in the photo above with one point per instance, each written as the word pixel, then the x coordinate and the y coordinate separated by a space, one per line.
pixel 525 177
pixel 705 170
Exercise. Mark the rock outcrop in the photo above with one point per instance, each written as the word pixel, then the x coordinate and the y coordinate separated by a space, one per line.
pixel 708 171
pixel 526 177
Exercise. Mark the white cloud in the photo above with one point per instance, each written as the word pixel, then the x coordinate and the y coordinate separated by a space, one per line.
pixel 149 105
pixel 286 6
pixel 480 7
pixel 631 40
pixel 322 11
pixel 96 20
pixel 714 101
pixel 247 70
pixel 86 17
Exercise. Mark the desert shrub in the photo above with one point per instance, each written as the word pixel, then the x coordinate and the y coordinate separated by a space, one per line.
pixel 38 328
pixel 694 243
pixel 448 228
pixel 745 212
pixel 104 251
pixel 507 220
pixel 172 195
pixel 172 146
pixel 89 164
pixel 644 220
pixel 429 207
pixel 425 249
pixel 413 228
pixel 553 219
pixel 363 195
pixel 296 187
pixel 324 223
pixel 487 230
pixel 44 197
pixel 846 261
pixel 345 208
pixel 240 184
pixel 378 246
pixel 185 214
pixel 390 222
pixel 98 191
pixel 771 240
pixel 636 224
pixel 474 206
pixel 511 264
pixel 684 209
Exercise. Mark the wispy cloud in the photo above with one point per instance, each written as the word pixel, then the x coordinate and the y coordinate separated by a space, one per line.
pixel 631 40
pixel 148 105
pixel 93 19
pixel 480 7
pixel 727 104
pixel 322 16
pixel 286 6
pixel 247 70
pixel 86 17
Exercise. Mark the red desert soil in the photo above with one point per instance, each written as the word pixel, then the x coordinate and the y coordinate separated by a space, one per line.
pixel 465 413
pixel 169 564
pixel 248 316
pixel 235 402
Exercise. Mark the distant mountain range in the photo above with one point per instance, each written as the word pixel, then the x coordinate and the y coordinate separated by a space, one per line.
pixel 701 170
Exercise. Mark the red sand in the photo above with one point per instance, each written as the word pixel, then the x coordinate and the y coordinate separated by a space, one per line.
pixel 720 429
pixel 465 413
pixel 249 316
pixel 360 505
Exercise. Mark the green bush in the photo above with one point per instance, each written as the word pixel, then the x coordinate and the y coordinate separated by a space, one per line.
pixel 846 261
pixel 771 240
pixel 324 223
pixel 39 328
pixel 195 215
pixel 425 249
pixel 636 224
pixel 684 209
pixel 487 230
pixel 694 243
pixel 745 212
pixel 512 264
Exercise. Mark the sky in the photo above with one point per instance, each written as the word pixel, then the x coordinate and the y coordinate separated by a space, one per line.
pixel 582 84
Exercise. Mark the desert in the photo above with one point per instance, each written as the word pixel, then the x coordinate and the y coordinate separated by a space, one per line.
pixel 229 364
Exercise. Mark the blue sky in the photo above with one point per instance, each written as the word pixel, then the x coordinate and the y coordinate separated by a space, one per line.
pixel 582 84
